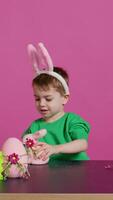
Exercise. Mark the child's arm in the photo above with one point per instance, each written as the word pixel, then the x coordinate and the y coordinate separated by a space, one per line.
pixel 72 147
pixel 75 146
pixel 78 131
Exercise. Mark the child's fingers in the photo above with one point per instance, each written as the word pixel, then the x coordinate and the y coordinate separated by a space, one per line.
pixel 39 144
pixel 36 155
pixel 36 148
pixel 40 149
pixel 46 156
pixel 42 154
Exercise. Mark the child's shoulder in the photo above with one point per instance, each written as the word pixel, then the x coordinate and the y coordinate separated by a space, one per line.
pixel 38 120
pixel 35 122
pixel 76 118
pixel 72 115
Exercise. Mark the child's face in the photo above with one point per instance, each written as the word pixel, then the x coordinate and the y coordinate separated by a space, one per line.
pixel 49 103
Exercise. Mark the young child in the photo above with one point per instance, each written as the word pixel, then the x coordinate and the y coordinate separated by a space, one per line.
pixel 67 133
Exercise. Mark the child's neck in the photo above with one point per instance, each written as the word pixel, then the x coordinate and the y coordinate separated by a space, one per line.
pixel 55 117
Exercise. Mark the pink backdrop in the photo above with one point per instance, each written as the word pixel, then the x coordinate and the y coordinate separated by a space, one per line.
pixel 79 36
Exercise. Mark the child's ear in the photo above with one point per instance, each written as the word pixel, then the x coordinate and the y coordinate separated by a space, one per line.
pixel 65 99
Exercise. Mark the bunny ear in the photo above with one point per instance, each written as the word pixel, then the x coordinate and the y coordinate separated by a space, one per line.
pixel 45 58
pixel 39 134
pixel 33 54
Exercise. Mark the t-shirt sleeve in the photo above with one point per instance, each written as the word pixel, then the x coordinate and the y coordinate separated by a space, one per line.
pixel 79 128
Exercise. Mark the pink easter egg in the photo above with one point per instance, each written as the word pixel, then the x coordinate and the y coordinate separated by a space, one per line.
pixel 15 151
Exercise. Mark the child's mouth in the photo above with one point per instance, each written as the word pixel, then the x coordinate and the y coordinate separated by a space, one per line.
pixel 43 111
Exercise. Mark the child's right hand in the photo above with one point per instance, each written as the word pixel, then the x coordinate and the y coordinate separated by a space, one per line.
pixel 31 143
pixel 44 150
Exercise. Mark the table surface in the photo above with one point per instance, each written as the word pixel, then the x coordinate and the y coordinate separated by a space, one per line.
pixel 64 177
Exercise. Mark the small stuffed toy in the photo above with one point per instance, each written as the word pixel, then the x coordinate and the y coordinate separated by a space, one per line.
pixel 15 159
pixel 30 141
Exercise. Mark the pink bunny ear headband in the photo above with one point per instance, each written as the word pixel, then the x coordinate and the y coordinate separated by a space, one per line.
pixel 40 58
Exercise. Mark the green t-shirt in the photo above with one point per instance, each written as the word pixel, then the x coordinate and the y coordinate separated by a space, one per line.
pixel 63 130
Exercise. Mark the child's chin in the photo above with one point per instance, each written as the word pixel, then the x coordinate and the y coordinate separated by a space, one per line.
pixel 46 114
pixel 47 117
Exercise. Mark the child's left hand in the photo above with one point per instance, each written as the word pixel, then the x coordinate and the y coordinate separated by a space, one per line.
pixel 44 150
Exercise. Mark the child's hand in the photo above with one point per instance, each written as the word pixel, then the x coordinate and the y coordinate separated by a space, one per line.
pixel 44 150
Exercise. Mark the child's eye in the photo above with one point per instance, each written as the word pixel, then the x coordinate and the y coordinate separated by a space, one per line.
pixel 37 99
pixel 48 99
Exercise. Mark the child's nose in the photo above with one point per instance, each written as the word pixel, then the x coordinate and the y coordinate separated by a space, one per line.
pixel 42 102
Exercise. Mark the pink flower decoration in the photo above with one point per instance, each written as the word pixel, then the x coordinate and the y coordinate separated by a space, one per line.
pixel 29 143
pixel 13 158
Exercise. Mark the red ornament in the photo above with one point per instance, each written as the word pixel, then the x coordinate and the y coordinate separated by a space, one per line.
pixel 13 158
pixel 29 143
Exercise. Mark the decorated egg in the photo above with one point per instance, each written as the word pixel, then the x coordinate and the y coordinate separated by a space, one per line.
pixel 16 158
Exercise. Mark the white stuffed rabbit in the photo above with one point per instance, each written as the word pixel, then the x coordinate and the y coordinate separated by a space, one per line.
pixel 30 141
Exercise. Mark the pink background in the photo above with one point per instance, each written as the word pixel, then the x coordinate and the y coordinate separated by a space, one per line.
pixel 79 36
